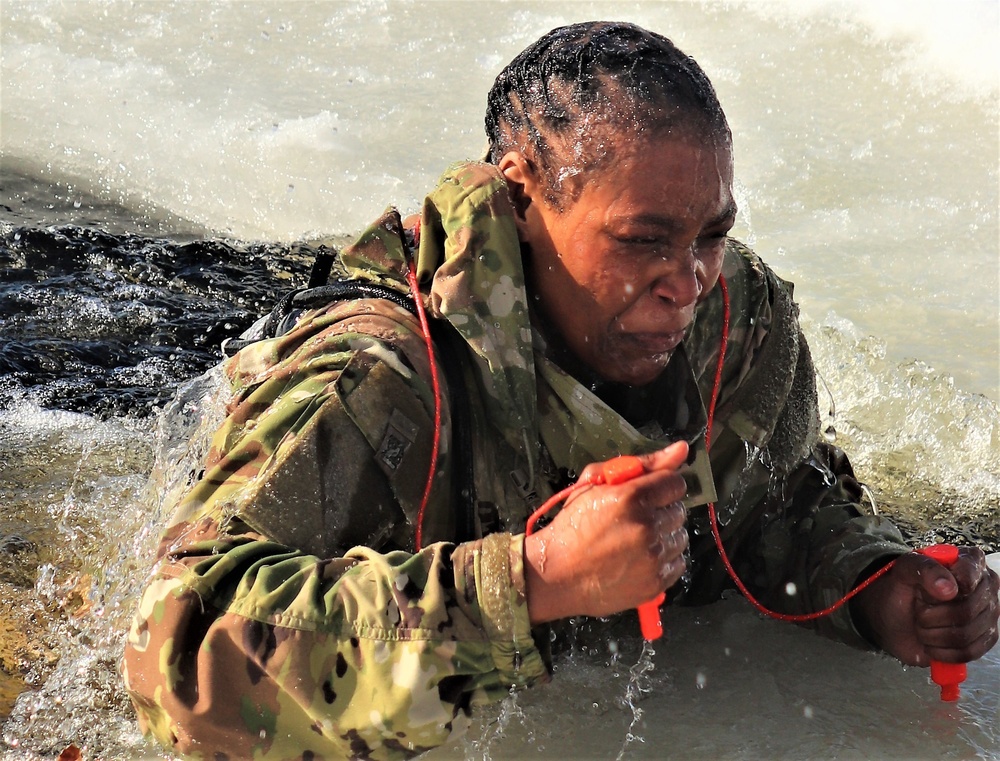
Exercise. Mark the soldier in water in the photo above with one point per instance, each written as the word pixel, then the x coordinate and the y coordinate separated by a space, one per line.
pixel 348 571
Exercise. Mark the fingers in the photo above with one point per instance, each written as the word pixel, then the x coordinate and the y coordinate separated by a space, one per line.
pixel 669 542
pixel 646 526
pixel 670 458
pixel 670 519
pixel 969 569
pixel 654 500
pixel 936 582
pixel 956 583
pixel 921 610
pixel 669 535
pixel 961 644
pixel 965 627
pixel 614 544
pixel 941 584
pixel 655 491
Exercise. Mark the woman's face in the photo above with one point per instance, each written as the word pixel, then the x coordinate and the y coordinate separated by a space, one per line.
pixel 616 273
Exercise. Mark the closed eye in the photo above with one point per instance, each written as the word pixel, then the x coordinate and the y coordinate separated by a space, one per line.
pixel 714 237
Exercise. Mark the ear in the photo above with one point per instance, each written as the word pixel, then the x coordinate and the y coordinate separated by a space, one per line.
pixel 523 184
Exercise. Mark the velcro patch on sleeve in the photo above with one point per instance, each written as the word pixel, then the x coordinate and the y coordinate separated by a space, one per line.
pixel 400 434
pixel 391 415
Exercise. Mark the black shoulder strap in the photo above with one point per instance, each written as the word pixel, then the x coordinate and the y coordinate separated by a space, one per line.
pixel 322 265
pixel 445 339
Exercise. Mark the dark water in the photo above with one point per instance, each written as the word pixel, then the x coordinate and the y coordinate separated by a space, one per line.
pixel 99 320
pixel 104 311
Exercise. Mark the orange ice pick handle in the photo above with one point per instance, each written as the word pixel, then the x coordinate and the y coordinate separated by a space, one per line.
pixel 618 471
pixel 948 676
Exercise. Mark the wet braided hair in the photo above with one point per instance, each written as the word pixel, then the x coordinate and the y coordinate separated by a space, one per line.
pixel 558 97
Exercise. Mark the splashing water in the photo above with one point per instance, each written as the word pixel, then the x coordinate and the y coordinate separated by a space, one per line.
pixel 479 748
pixel 84 589
pixel 638 686
pixel 929 452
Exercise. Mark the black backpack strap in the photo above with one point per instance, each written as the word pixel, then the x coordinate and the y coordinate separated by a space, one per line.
pixel 446 341
pixel 322 265
pixel 289 307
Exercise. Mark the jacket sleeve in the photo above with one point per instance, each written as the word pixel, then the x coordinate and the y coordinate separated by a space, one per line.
pixel 790 508
pixel 289 614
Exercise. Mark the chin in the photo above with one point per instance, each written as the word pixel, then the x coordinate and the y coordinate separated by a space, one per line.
pixel 638 373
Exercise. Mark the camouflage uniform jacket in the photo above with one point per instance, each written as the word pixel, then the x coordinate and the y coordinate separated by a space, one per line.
pixel 289 615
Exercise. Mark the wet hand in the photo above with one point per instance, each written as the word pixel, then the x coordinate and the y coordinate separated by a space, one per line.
pixel 611 547
pixel 922 611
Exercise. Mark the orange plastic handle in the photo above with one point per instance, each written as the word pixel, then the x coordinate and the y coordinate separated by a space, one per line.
pixel 947 676
pixel 650 622
pixel 618 471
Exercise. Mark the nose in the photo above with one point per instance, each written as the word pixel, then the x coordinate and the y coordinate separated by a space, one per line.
pixel 675 278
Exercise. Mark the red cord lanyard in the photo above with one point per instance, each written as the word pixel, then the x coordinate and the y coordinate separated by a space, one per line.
pixel 948 676
pixel 620 469
pixel 712 515
pixel 411 279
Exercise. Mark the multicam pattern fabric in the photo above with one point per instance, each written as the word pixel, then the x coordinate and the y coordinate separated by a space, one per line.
pixel 289 615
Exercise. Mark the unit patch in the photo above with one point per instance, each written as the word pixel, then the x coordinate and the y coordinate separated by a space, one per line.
pixel 400 433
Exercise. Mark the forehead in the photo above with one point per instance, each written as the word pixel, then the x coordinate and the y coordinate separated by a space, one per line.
pixel 665 175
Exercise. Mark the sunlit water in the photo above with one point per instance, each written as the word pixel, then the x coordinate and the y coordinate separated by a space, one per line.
pixel 867 153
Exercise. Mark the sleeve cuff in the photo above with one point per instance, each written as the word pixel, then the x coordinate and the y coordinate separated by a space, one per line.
pixel 499 582
pixel 853 570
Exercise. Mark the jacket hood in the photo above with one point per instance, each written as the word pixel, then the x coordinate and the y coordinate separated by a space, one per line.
pixel 468 261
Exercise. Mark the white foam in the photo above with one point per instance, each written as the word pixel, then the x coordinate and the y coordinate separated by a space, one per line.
pixel 854 124
pixel 956 44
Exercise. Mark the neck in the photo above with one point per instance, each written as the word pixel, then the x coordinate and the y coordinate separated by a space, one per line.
pixel 637 404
